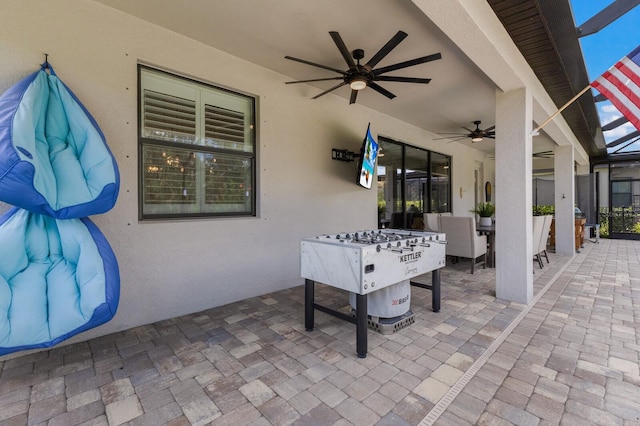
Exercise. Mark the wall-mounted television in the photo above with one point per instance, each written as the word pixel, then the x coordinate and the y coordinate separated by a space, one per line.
pixel 367 160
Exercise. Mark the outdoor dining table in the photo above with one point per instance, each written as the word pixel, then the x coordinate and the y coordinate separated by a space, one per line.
pixel 490 232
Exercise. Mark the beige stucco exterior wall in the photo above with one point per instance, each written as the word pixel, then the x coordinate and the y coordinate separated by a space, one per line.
pixel 170 268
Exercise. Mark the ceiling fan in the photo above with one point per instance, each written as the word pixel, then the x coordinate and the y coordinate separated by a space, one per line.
pixel 360 76
pixel 476 135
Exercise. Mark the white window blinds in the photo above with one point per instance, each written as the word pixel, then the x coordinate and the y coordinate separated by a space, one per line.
pixel 197 148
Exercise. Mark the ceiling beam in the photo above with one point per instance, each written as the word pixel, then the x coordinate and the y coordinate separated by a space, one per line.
pixel 619 150
pixel 615 123
pixel 623 139
pixel 605 17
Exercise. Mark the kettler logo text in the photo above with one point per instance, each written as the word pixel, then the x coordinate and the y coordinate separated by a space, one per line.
pixel 411 257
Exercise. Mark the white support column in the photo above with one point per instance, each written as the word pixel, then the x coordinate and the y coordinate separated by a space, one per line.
pixel 513 188
pixel 564 199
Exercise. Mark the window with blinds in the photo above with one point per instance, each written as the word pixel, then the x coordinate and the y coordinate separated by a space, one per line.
pixel 197 149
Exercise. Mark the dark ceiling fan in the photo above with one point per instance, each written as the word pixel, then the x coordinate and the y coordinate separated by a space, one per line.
pixel 476 135
pixel 360 76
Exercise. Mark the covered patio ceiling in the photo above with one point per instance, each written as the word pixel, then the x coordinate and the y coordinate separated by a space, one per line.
pixel 545 34
pixel 459 92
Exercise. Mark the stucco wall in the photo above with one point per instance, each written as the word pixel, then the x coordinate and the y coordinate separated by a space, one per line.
pixel 170 268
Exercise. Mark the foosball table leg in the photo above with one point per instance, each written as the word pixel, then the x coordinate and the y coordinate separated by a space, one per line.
pixel 308 304
pixel 435 290
pixel 361 325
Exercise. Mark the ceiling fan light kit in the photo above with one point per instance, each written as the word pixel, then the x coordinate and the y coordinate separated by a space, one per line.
pixel 358 84
pixel 358 76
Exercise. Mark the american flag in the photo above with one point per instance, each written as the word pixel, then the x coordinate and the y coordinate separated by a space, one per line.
pixel 621 85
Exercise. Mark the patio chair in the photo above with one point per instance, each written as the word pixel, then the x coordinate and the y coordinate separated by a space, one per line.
pixel 462 239
pixel 431 221
pixel 537 227
pixel 544 237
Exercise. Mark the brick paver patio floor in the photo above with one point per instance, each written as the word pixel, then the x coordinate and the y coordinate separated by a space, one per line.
pixel 569 357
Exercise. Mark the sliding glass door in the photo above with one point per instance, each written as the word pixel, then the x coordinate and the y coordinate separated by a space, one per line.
pixel 624 202
pixel 411 181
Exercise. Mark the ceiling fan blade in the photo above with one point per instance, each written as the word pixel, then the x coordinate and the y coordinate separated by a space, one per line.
pixel 406 64
pixel 468 129
pixel 402 79
pixel 315 79
pixel 354 95
pixel 544 154
pixel 381 90
pixel 448 137
pixel 457 140
pixel 343 49
pixel 329 90
pixel 391 44
pixel 489 136
pixel 315 65
pixel 488 129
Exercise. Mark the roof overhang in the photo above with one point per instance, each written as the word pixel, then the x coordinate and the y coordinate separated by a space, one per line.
pixel 545 34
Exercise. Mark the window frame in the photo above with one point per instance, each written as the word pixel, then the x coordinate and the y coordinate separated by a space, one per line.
pixel 198 146
pixel 403 179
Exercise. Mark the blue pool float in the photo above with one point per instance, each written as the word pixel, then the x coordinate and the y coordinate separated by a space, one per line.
pixel 54 159
pixel 57 279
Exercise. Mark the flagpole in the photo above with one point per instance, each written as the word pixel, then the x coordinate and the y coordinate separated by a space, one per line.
pixel 548 120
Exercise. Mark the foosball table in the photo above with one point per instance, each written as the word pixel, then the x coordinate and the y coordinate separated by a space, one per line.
pixel 366 262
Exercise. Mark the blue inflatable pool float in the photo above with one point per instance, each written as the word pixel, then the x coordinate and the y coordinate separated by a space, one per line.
pixel 58 274
pixel 57 278
pixel 54 159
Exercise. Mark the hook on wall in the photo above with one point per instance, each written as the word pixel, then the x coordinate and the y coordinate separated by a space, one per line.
pixel 46 65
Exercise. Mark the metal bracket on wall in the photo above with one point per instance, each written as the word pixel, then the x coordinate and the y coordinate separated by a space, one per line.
pixel 343 155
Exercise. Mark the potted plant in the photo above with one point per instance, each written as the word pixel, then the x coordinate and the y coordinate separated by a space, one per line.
pixel 485 211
